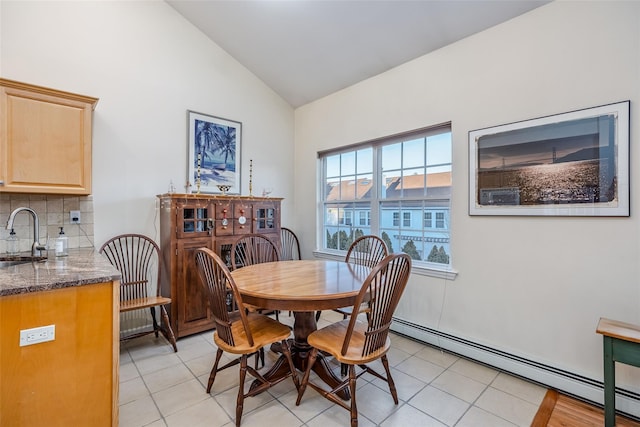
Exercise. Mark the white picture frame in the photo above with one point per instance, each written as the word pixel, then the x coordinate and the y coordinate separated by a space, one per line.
pixel 569 164
pixel 214 154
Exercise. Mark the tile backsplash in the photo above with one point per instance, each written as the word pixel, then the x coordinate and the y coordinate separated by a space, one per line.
pixel 53 213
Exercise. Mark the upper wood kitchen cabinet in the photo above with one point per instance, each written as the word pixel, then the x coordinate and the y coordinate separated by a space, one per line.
pixel 45 140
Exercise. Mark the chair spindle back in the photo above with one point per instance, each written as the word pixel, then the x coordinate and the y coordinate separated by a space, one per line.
pixel 217 281
pixel 289 245
pixel 381 291
pixel 367 250
pixel 253 249
pixel 138 260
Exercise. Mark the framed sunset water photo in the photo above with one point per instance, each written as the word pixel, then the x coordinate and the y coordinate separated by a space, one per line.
pixel 214 154
pixel 569 164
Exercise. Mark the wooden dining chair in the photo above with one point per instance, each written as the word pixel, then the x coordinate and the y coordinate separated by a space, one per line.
pixel 290 250
pixel 362 340
pixel 366 250
pixel 241 333
pixel 253 249
pixel 289 245
pixel 137 258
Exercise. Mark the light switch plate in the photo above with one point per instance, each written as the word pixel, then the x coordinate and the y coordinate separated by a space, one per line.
pixel 37 335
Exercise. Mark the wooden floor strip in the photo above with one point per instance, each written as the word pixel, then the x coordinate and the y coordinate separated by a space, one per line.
pixel 559 410
pixel 546 409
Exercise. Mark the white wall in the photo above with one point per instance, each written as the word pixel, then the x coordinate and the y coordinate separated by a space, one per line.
pixel 534 287
pixel 148 66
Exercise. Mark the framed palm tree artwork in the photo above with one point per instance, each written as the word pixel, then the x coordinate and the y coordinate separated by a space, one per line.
pixel 214 154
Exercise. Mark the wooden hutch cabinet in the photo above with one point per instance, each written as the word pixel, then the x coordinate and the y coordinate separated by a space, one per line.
pixel 189 222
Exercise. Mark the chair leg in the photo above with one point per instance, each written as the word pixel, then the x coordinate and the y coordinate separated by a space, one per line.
pixel 313 354
pixel 214 371
pixel 352 389
pixel 392 385
pixel 259 357
pixel 318 313
pixel 344 369
pixel 287 353
pixel 155 322
pixel 240 402
pixel 168 330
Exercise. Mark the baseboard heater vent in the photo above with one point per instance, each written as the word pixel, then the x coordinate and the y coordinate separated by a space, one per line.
pixel 578 386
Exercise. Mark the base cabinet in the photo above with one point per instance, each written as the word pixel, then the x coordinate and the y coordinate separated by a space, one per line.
pixel 72 380
pixel 189 222
pixel 192 314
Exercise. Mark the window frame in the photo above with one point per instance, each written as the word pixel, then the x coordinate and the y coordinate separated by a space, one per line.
pixel 375 201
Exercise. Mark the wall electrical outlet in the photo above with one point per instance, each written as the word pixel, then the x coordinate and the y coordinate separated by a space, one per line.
pixel 37 335
pixel 74 217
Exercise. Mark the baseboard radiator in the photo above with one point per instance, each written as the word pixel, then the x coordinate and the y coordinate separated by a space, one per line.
pixel 588 389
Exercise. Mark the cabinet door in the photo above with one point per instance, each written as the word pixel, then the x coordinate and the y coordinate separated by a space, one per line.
pixel 223 248
pixel 266 217
pixel 45 142
pixel 193 306
pixel 194 219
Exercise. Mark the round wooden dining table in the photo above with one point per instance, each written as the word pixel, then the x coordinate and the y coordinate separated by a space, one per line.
pixel 301 286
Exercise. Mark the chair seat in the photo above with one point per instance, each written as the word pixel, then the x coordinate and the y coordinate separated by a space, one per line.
pixel 138 303
pixel 330 339
pixel 265 331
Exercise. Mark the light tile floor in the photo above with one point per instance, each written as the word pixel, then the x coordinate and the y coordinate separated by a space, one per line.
pixel 160 388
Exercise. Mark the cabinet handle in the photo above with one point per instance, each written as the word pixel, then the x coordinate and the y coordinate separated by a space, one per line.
pixel 1 182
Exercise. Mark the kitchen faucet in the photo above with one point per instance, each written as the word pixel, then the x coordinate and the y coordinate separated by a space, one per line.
pixel 36 247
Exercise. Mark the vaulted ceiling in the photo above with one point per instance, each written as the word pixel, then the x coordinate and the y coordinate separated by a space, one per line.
pixel 307 49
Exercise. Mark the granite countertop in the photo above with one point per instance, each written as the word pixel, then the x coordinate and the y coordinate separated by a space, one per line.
pixel 83 266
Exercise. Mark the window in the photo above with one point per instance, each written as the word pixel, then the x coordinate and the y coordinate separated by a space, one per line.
pixel 386 183
pixel 406 219
pixel 345 218
pixel 365 217
pixel 427 220
pixel 396 219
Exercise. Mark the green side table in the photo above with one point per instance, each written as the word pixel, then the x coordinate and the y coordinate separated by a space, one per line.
pixel 621 344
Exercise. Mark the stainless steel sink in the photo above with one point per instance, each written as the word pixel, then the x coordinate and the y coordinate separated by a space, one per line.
pixel 8 261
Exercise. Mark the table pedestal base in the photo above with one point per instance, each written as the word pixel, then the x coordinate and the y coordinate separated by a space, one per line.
pixel 305 323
